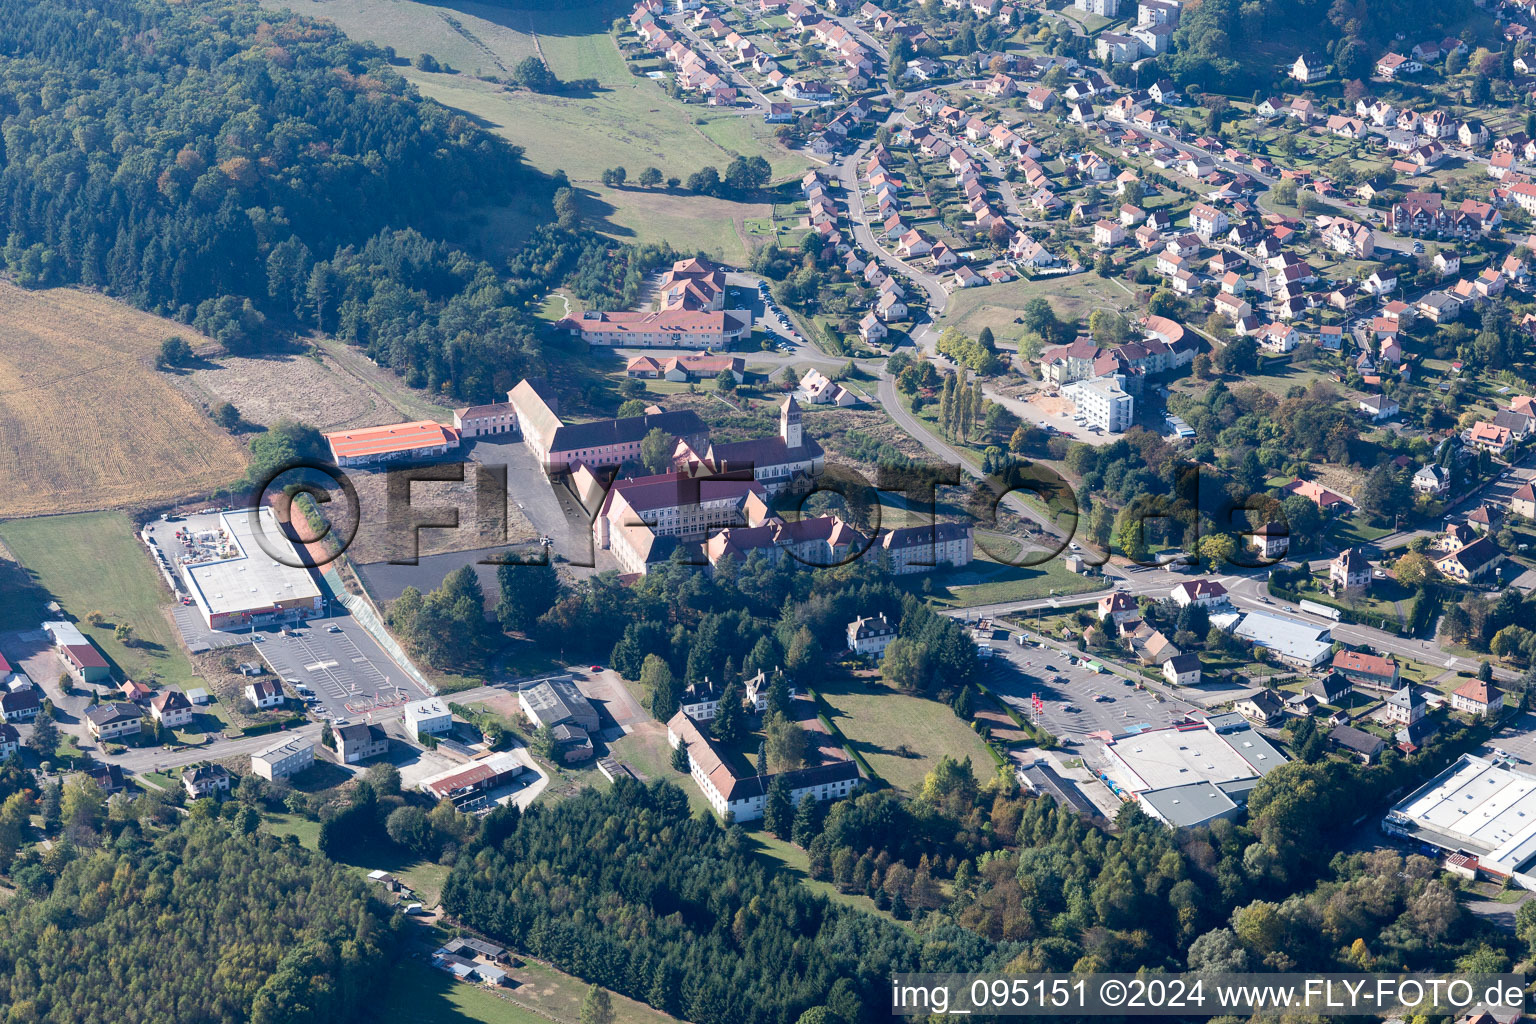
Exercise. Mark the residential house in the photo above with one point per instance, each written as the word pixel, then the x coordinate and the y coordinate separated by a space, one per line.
pixel 1431 479
pixel 1120 606
pixel 1476 698
pixel 1309 68
pixel 1108 233
pixel 205 780
pixel 1182 670
pixel 1371 671
pixel 20 705
pixel 1523 501
pixel 1205 593
pixel 358 741
pixel 264 694
pixel 870 635
pixel 1350 571
pixel 1471 562
pixel 1357 743
pixel 1270 540
pixel 1321 496
pixel 283 759
pixel 1262 707
pixel 109 721
pixel 428 717
pixel 171 709
pixel 1394 65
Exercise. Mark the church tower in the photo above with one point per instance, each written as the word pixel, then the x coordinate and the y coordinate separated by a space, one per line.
pixel 789 423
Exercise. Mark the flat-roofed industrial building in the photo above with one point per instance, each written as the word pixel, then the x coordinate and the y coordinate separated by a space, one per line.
pixel 1478 809
pixel 237 578
pixel 1193 773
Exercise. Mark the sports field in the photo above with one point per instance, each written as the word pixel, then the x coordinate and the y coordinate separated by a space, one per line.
pixel 93 563
pixel 86 422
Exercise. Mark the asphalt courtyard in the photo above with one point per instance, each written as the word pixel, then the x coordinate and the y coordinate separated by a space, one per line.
pixel 347 670
pixel 1015 673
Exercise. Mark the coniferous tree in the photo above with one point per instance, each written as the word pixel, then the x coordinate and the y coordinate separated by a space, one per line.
pixel 527 592
pixel 729 723
pixel 778 811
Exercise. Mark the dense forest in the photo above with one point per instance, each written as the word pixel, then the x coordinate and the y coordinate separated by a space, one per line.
pixel 252 173
pixel 205 923
pixel 1228 44
pixel 626 889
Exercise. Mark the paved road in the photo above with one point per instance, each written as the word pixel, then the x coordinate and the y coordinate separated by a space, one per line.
pixel 938 447
pixel 149 759
pixel 848 175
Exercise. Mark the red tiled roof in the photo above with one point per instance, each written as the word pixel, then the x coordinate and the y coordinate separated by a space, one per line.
pixel 396 437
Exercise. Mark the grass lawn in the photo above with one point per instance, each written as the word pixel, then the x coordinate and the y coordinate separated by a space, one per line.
pixel 165 780
pixel 469 37
pixel 625 121
pixel 636 127
pixel 418 994
pixel 985 581
pixel 307 832
pixel 1352 530
pixel 901 736
pixel 93 562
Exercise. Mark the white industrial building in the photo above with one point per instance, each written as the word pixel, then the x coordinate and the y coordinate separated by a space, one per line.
pixel 242 570
pixel 1191 774
pixel 1297 644
pixel 427 716
pixel 1103 402
pixel 1481 814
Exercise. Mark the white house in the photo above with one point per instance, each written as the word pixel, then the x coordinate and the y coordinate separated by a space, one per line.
pixel 1204 593
pixel 430 716
pixel 870 635
pixel 171 709
pixel 263 694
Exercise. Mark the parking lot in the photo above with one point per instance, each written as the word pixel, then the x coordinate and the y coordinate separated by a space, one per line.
pixel 349 674
pixel 1517 739
pixel 1015 673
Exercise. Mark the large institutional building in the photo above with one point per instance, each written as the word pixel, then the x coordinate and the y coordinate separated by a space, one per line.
pixel 774 462
pixel 599 443
pixel 691 314
pixel 744 796
pixel 714 500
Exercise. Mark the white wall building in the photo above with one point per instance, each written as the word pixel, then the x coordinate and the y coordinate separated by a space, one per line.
pixel 283 759
pixel 870 634
pixel 427 716
pixel 1103 402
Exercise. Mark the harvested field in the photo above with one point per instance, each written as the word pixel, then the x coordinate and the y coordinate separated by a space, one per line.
pixel 311 390
pixel 86 422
